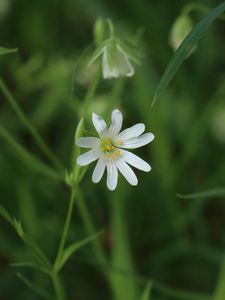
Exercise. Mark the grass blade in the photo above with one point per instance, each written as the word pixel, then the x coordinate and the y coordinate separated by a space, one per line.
pixel 4 51
pixel 187 45
pixel 39 291
pixel 217 192
pixel 74 247
pixel 147 291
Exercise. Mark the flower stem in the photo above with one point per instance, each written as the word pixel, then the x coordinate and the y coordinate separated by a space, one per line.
pixel 59 292
pixel 90 228
pixel 220 289
pixel 199 7
pixel 111 28
pixel 66 227
pixel 15 106
pixel 90 94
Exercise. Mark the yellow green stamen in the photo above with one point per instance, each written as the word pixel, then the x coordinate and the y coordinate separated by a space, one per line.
pixel 109 149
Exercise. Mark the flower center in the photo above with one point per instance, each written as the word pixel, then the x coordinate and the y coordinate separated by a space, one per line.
pixel 109 149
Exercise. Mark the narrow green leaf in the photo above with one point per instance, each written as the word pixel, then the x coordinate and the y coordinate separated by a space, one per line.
pixel 217 192
pixel 30 265
pixel 30 160
pixel 187 45
pixel 74 247
pixel 6 215
pixel 27 240
pixel 39 291
pixel 7 50
pixel 147 291
pixel 36 250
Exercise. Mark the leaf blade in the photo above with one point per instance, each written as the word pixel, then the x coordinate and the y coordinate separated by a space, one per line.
pixel 187 45
pixel 69 251
pixel 39 291
pixel 4 50
pixel 147 292
pixel 217 192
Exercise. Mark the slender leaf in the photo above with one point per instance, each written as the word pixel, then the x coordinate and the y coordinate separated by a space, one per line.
pixel 39 291
pixel 147 291
pixel 187 45
pixel 30 265
pixel 36 250
pixel 6 215
pixel 217 192
pixel 74 247
pixel 30 160
pixel 27 240
pixel 7 50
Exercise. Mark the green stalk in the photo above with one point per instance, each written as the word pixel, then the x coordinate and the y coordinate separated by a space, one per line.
pixel 90 94
pixel 90 228
pixel 219 293
pixel 200 8
pixel 66 228
pixel 26 122
pixel 59 292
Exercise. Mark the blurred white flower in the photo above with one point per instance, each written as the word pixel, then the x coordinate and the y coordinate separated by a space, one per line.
pixel 116 58
pixel 109 150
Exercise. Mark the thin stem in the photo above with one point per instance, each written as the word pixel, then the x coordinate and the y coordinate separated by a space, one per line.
pixel 220 288
pixel 15 106
pixel 198 7
pixel 66 227
pixel 111 28
pixel 90 94
pixel 59 292
pixel 90 228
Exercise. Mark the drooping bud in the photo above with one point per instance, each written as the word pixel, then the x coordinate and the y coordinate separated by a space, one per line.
pixel 99 31
pixel 180 29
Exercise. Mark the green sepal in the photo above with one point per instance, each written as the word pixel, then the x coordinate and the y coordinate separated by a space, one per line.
pixel 130 50
pixel 97 53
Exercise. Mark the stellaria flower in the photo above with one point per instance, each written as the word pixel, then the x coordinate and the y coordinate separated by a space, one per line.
pixel 109 150
pixel 117 56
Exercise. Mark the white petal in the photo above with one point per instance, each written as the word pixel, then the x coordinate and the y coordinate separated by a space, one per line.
pixel 99 170
pixel 112 175
pixel 88 142
pixel 127 172
pixel 131 132
pixel 117 120
pixel 105 65
pixel 138 141
pixel 99 123
pixel 135 161
pixel 123 64
pixel 88 157
pixel 130 68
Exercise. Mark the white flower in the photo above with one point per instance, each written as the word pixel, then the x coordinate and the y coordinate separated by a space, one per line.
pixel 109 150
pixel 116 59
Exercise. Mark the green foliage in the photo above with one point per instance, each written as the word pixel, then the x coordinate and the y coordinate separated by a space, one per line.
pixel 49 90
pixel 186 47
pixel 147 292
pixel 4 51
pixel 217 192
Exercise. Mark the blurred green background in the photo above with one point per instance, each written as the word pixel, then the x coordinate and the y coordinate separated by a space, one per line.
pixel 149 232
